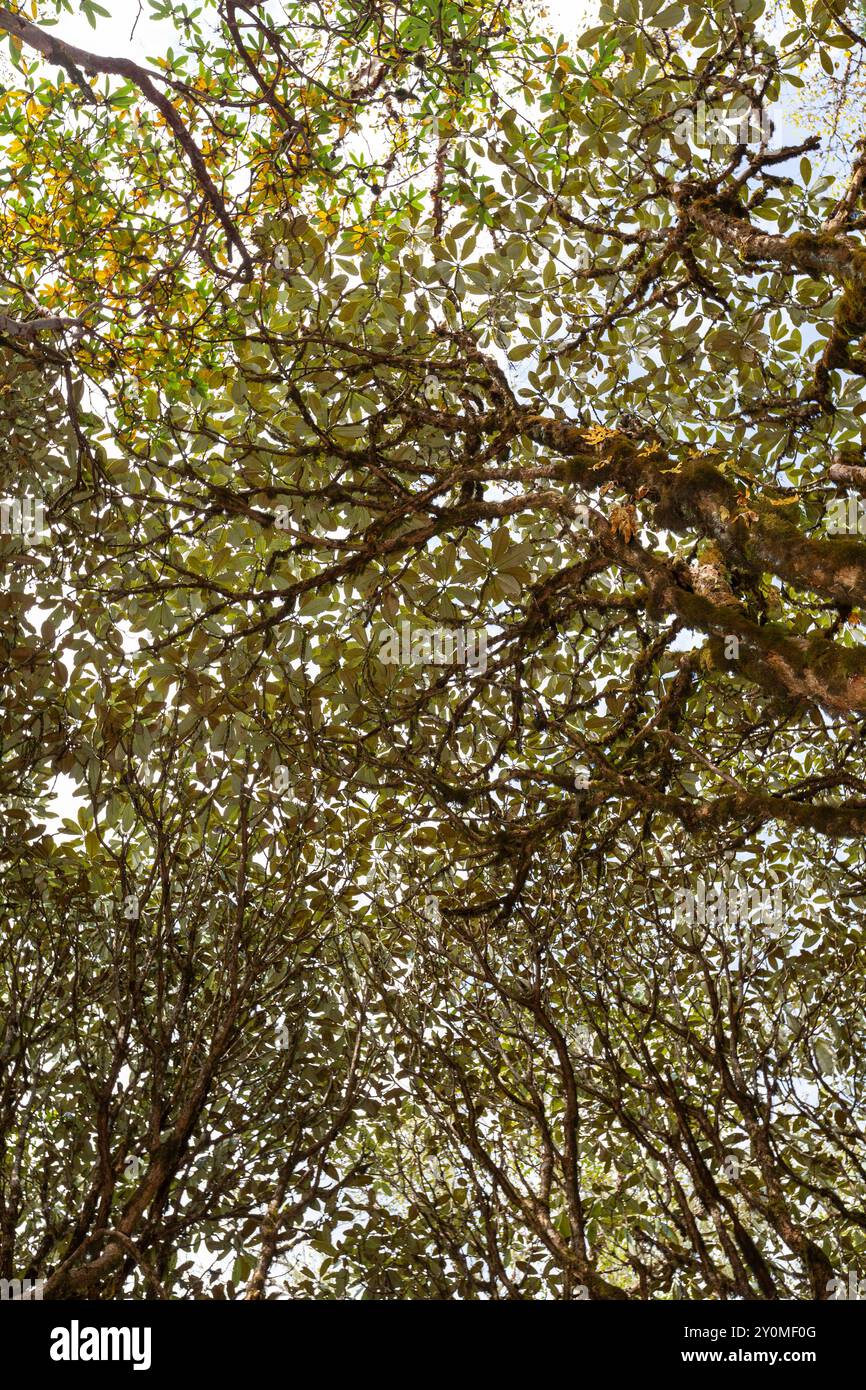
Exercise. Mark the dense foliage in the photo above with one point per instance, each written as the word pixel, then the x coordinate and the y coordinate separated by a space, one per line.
pixel 446 639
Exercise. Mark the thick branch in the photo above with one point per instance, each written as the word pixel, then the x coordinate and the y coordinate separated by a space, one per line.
pixel 696 496
pixel 25 330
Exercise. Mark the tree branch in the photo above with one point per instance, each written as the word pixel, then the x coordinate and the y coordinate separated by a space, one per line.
pixel 71 58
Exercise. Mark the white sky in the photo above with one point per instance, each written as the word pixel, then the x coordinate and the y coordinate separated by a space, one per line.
pixel 112 36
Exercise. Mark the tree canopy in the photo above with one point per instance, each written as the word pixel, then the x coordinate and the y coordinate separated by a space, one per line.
pixel 446 630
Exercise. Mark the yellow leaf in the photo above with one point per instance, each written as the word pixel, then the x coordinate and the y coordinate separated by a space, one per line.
pixel 623 522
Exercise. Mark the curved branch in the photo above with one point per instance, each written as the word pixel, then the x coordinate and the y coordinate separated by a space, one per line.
pixel 71 59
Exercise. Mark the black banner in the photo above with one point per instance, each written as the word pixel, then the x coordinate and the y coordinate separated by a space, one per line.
pixel 66 1340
